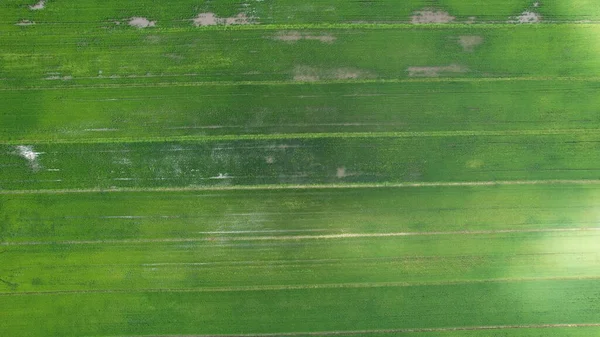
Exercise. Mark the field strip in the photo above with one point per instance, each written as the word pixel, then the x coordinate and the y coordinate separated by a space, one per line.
pixel 307 135
pixel 308 186
pixel 390 331
pixel 299 286
pixel 292 82
pixel 297 237
pixel 343 26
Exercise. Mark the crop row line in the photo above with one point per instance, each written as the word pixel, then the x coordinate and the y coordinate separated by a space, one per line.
pixel 390 331
pixel 283 82
pixel 345 26
pixel 309 186
pixel 300 286
pixel 307 135
pixel 299 237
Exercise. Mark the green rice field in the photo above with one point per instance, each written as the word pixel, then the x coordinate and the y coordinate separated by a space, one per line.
pixel 262 168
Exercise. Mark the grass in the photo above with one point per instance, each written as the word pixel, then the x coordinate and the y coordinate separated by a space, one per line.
pixel 302 161
pixel 144 57
pixel 89 14
pixel 304 310
pixel 217 180
pixel 214 110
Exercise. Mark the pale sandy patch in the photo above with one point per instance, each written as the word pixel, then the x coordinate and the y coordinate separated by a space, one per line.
pixel 430 15
pixel 295 36
pixel 469 42
pixel 308 74
pixel 140 22
pixel 25 23
pixel 210 19
pixel 38 6
pixel 435 71
pixel 527 17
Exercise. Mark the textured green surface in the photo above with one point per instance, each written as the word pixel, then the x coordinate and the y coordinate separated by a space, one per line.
pixel 330 169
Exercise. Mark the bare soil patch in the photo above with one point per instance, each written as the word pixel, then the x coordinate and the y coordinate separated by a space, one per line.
pixel 210 19
pixel 140 22
pixel 469 42
pixel 435 71
pixel 431 15
pixel 295 36
pixel 38 6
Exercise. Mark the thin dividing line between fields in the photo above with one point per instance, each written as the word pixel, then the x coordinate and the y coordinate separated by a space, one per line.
pixel 308 187
pixel 308 135
pixel 292 82
pixel 298 237
pixel 298 286
pixel 390 331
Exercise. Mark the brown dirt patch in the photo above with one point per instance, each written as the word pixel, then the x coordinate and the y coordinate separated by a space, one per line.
pixel 469 42
pixel 295 36
pixel 430 15
pixel 436 71
pixel 210 19
pixel 38 6
pixel 140 22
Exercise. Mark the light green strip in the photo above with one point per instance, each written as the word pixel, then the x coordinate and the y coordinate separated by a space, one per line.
pixel 308 135
pixel 265 83
pixel 373 25
pixel 307 186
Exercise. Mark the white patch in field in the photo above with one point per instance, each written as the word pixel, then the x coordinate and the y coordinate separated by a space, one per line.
pixel 312 74
pixel 536 4
pixel 435 71
pixel 38 6
pixel 527 17
pixel 469 42
pixel 470 20
pixel 221 176
pixel 341 172
pixel 57 77
pixel 295 36
pixel 210 19
pixel 25 23
pixel 140 22
pixel 429 15
pixel 30 155
pixel 270 160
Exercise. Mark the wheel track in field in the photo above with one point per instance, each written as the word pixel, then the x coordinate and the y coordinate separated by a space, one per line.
pixel 574 182
pixel 308 135
pixel 298 237
pixel 301 286
pixel 290 82
pixel 391 331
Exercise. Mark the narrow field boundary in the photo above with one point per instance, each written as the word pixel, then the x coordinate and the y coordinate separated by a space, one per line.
pixel 501 24
pixel 297 237
pixel 307 135
pixel 133 84
pixel 298 286
pixel 391 331
pixel 307 187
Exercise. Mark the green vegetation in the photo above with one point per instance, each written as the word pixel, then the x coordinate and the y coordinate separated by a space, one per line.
pixel 345 168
